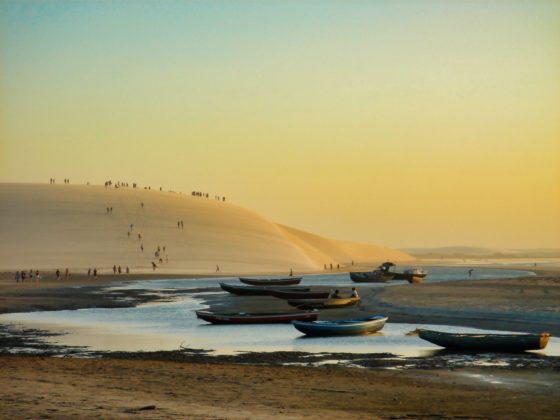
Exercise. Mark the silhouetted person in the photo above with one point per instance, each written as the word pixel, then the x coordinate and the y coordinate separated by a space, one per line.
pixel 57 274
pixel 94 272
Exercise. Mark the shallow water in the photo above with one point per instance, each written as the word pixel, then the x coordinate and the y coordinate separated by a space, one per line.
pixel 170 325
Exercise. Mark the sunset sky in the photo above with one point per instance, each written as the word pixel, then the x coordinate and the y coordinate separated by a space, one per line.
pixel 401 123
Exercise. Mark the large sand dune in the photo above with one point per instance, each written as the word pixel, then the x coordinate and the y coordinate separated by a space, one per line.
pixel 59 226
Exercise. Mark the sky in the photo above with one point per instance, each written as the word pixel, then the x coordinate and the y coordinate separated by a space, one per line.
pixel 400 123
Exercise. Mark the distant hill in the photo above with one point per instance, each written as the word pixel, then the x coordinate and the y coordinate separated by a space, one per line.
pixel 59 226
pixel 479 252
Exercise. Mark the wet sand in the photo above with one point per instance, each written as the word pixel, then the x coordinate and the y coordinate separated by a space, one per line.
pixel 85 388
pixel 121 385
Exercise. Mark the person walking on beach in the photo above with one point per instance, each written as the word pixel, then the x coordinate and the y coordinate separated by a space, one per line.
pixel 470 272
pixel 114 269
pixel 154 266
pixel 119 270
pixel 30 275
pixel 18 276
pixel 142 247
pixel 89 273
pixel 217 268
pixel 67 274
pixel 291 272
pixel 22 276
pixel 37 276
pixel 127 270
pixel 57 274
pixel 95 273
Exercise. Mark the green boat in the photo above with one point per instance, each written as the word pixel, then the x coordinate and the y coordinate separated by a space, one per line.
pixel 486 342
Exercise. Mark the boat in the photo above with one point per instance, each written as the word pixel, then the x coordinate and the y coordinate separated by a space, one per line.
pixel 270 282
pixel 375 276
pixel 255 318
pixel 366 325
pixel 323 303
pixel 299 294
pixel 486 342
pixel 258 290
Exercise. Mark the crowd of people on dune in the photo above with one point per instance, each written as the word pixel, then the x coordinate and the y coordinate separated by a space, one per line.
pixel 160 252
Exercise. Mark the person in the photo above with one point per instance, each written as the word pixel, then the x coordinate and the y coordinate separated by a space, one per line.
pixel 89 272
pixel 217 268
pixel 18 276
pixel 57 274
pixel 67 274
pixel 335 294
pixel 154 266
pixel 30 275
pixel 354 293
pixel 94 272
pixel 119 270
pixel 127 270
pixel 128 233
pixel 291 272
pixel 470 272
pixel 37 275
pixel 114 269
pixel 22 276
pixel 142 247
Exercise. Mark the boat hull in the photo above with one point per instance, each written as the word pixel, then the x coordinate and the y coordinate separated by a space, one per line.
pixel 257 290
pixel 370 277
pixel 257 318
pixel 270 282
pixel 289 294
pixel 346 327
pixel 323 303
pixel 486 342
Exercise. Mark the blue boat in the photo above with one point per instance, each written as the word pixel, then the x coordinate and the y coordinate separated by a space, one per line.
pixel 342 327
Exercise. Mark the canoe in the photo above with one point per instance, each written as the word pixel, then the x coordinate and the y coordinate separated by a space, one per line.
pixel 257 290
pixel 323 303
pixel 270 282
pixel 370 277
pixel 486 342
pixel 367 325
pixel 255 318
pixel 298 294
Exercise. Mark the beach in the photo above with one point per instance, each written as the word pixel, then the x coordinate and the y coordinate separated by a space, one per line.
pixel 168 384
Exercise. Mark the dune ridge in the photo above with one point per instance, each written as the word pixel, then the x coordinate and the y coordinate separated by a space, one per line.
pixel 57 226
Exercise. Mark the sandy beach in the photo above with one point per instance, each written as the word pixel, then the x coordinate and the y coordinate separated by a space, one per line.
pixel 166 385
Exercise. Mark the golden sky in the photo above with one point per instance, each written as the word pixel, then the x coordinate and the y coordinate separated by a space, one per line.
pixel 402 123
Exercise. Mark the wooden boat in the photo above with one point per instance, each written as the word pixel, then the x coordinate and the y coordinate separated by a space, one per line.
pixel 298 294
pixel 375 276
pixel 258 290
pixel 486 342
pixel 342 327
pixel 255 318
pixel 323 303
pixel 270 282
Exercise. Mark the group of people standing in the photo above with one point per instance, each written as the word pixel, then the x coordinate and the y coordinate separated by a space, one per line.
pixel 206 195
pixel 116 270
pixel 29 275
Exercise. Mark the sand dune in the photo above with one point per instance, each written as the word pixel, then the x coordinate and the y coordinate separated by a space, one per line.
pixel 59 226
